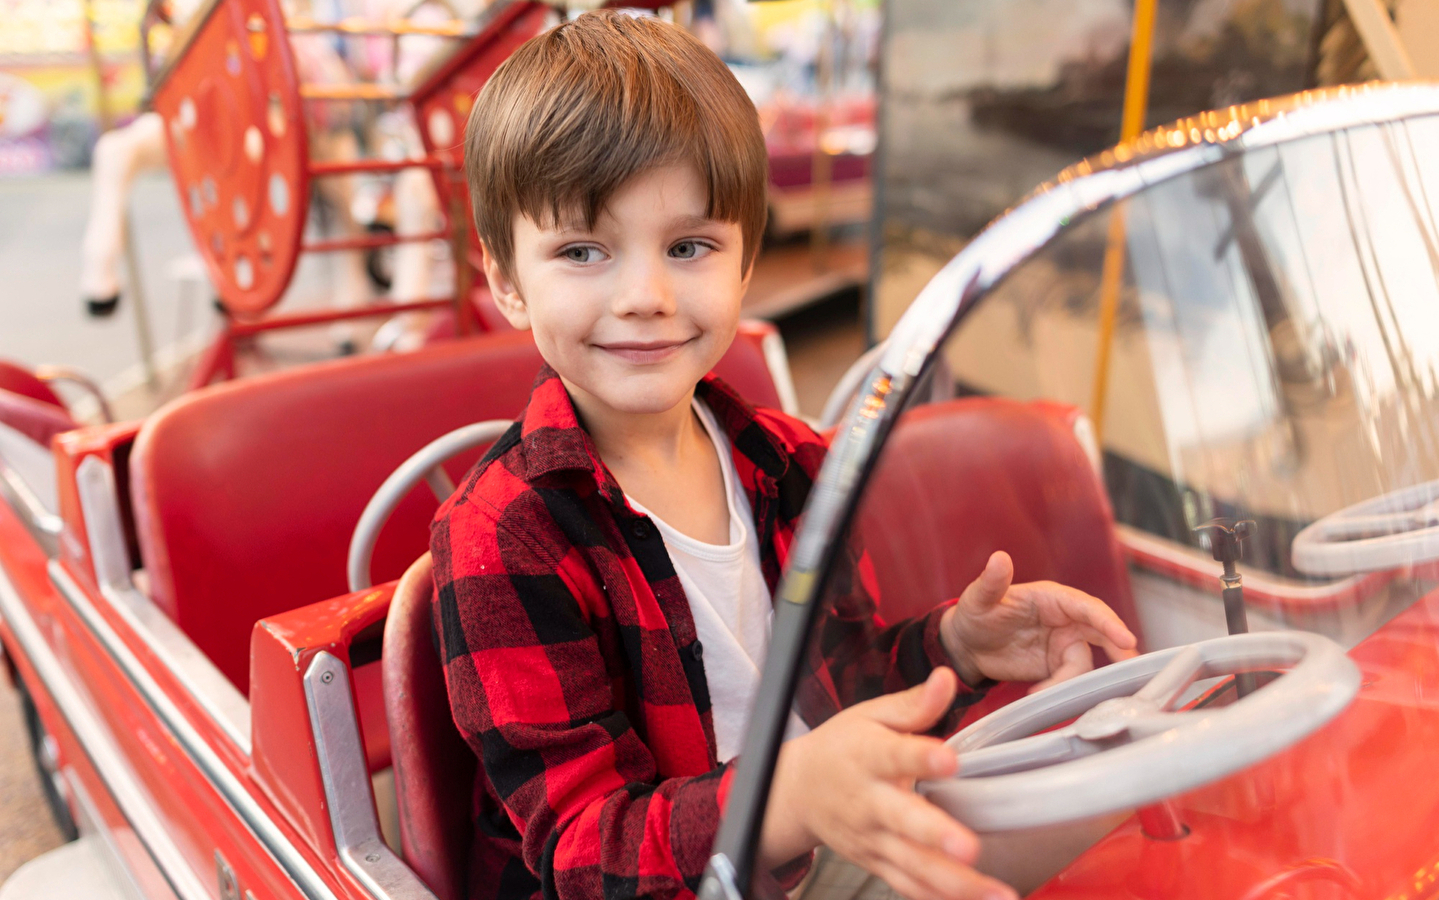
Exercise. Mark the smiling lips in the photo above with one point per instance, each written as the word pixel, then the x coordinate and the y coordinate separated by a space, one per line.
pixel 642 353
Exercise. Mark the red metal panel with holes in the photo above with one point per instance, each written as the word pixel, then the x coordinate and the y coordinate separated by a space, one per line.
pixel 442 104
pixel 235 131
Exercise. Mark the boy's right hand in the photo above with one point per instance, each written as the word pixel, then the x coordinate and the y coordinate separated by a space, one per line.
pixel 849 785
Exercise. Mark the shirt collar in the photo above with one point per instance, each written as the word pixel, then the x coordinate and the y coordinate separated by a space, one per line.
pixel 554 441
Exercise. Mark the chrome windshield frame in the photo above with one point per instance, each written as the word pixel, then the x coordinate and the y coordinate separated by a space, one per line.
pixel 912 350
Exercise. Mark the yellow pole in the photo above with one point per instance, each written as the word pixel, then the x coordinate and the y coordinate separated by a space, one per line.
pixel 1136 102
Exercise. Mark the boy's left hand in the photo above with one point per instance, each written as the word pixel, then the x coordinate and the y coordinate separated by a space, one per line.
pixel 1040 631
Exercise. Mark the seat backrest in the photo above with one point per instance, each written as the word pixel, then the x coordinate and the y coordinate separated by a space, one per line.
pixel 36 419
pixel 434 769
pixel 246 493
pixel 19 380
pixel 749 368
pixel 963 478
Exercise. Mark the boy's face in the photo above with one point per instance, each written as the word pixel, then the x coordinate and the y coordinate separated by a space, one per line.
pixel 633 313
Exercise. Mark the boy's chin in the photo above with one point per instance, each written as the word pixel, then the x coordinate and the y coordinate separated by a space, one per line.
pixel 646 395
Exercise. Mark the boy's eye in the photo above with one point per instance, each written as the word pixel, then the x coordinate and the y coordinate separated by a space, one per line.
pixel 581 254
pixel 689 250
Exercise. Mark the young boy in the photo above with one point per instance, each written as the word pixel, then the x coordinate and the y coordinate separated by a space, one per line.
pixel 605 573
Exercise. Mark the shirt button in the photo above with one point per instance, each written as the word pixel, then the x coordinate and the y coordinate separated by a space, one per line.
pixel 697 650
pixel 641 529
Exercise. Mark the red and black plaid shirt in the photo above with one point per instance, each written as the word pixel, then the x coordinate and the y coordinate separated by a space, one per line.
pixel 573 667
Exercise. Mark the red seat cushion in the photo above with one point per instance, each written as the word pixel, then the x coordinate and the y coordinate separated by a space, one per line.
pixel 961 479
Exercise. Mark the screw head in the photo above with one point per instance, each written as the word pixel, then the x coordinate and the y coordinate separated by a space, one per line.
pixel 327 677
pixel 372 857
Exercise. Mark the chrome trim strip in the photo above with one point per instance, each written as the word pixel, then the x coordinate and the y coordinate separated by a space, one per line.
pixel 206 685
pixel 94 738
pixel 42 524
pixel 39 517
pixel 280 848
pixel 348 789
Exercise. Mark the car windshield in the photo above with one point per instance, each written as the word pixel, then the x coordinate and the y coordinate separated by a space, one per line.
pixel 1264 330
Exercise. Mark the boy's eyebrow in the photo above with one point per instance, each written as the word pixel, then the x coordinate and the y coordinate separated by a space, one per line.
pixel 686 221
pixel 695 221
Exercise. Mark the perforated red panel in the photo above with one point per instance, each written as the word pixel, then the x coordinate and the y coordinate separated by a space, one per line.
pixel 235 130
pixel 442 104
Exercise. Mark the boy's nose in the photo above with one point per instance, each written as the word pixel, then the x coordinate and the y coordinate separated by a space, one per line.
pixel 645 289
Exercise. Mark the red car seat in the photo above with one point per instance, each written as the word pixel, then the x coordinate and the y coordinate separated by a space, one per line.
pixel 29 406
pixel 246 493
pixel 963 478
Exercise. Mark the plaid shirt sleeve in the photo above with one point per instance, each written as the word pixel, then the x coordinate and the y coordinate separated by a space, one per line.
pixel 530 691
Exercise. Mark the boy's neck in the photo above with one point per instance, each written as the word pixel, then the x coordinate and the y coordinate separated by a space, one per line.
pixel 648 440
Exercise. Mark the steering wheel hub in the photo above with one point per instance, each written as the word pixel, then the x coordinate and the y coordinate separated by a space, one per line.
pixel 1112 718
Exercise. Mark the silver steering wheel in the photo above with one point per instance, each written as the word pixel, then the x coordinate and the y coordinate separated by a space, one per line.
pixel 425 465
pixel 1129 746
pixel 1385 532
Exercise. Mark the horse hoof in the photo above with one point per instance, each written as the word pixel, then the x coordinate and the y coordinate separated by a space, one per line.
pixel 102 307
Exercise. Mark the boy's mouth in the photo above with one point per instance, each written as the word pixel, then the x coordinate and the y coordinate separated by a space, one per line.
pixel 644 352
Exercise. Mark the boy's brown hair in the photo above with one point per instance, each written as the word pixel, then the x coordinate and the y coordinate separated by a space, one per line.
pixel 577 111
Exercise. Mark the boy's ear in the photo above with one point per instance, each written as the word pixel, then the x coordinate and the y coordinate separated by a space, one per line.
pixel 506 293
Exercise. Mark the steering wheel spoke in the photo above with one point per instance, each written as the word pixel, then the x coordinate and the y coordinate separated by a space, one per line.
pixel 1032 752
pixel 1164 689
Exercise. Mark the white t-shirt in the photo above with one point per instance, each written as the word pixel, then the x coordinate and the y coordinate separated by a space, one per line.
pixel 729 600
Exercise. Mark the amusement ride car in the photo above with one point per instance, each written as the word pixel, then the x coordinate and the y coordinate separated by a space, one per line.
pixel 218 717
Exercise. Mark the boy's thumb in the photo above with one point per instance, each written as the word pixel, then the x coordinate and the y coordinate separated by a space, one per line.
pixel 920 707
pixel 991 585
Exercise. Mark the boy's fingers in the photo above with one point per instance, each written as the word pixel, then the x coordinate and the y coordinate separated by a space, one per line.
pixel 1094 613
pixel 895 756
pixel 917 709
pixel 921 822
pixel 991 585
pixel 1075 659
pixel 934 874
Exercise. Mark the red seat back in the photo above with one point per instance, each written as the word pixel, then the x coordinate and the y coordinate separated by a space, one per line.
pixel 246 493
pixel 433 768
pixel 19 380
pixel 746 366
pixel 37 420
pixel 963 478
